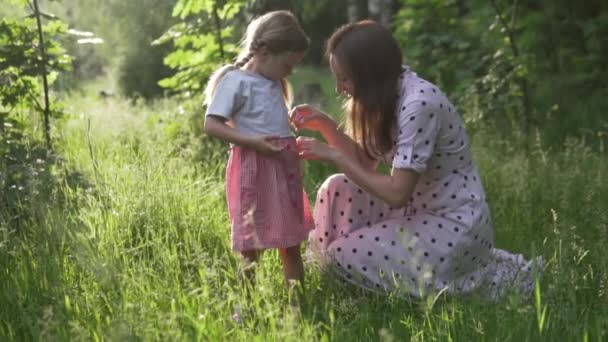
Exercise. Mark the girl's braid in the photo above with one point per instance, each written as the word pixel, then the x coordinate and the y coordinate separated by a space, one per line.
pixel 253 47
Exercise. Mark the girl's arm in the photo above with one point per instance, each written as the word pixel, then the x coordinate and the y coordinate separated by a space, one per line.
pixel 217 127
pixel 395 189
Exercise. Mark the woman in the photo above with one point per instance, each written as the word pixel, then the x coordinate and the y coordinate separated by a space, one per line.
pixel 426 226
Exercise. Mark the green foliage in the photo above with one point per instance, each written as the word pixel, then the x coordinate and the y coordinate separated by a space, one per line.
pixel 142 66
pixel 209 32
pixel 25 165
pixel 138 247
pixel 21 64
pixel 456 44
pixel 26 174
pixel 437 43
pixel 319 19
pixel 520 66
pixel 203 40
pixel 127 29
pixel 126 236
pixel 93 41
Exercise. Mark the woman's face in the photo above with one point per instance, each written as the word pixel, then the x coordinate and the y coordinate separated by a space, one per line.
pixel 344 83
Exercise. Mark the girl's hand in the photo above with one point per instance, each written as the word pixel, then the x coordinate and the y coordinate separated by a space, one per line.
pixel 312 149
pixel 264 145
pixel 308 117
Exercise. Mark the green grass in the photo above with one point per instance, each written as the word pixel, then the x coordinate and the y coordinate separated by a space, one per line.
pixel 133 243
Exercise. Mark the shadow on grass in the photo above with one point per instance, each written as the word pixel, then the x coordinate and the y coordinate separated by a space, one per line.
pixel 34 222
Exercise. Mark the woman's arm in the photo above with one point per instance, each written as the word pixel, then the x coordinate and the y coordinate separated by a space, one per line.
pixel 395 189
pixel 308 117
pixel 342 142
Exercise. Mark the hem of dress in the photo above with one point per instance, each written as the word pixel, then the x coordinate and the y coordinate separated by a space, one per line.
pixel 261 246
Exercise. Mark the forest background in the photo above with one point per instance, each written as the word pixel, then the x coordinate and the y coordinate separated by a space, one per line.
pixel 112 213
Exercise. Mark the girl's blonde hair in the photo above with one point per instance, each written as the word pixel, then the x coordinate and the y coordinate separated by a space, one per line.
pixel 277 32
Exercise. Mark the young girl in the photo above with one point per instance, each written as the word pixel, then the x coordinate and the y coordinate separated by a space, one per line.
pixel 247 104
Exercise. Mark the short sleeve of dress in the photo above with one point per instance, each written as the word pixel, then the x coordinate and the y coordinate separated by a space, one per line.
pixel 228 98
pixel 418 127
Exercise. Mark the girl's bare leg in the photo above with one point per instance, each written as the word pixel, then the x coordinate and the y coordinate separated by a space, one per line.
pixel 293 269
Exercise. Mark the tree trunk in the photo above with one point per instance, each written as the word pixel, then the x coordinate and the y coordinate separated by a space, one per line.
pixel 521 81
pixel 45 83
pixel 382 11
pixel 218 30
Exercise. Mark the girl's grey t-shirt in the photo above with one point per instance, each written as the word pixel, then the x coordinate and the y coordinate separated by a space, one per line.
pixel 255 104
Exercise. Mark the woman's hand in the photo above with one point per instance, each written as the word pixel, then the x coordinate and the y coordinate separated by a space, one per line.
pixel 310 148
pixel 264 144
pixel 308 117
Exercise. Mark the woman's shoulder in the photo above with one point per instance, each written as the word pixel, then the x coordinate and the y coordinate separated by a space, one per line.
pixel 417 90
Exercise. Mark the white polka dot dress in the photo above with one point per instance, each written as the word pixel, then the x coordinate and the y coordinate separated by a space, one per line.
pixel 443 239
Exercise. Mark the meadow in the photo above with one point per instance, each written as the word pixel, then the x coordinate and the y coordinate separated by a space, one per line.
pixel 127 238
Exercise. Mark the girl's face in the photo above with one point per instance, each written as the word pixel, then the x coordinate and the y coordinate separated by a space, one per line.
pixel 278 66
pixel 344 83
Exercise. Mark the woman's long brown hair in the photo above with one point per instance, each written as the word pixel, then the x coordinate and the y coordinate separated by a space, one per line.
pixel 371 56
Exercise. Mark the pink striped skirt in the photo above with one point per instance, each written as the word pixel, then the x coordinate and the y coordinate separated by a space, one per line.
pixel 267 204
